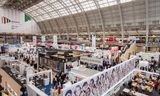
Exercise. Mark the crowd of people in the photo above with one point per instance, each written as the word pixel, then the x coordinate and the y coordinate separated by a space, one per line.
pixel 27 57
pixel 58 81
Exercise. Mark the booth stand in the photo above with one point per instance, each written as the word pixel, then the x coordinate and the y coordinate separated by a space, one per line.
pixel 33 88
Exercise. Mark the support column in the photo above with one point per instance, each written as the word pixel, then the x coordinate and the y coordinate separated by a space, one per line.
pixel 121 20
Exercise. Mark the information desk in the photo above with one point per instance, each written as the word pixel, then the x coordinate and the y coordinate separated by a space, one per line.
pixel 83 72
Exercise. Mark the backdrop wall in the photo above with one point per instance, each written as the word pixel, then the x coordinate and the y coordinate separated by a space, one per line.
pixel 13 21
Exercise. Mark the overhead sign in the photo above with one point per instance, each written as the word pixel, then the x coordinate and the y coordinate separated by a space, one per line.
pixel 34 40
pixel 55 45
pixel 6 20
pixel 93 41
pixel 43 39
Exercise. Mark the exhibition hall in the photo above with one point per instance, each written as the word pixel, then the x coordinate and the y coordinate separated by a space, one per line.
pixel 80 48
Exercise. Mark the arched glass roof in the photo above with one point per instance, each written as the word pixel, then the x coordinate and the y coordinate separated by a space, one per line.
pixel 49 9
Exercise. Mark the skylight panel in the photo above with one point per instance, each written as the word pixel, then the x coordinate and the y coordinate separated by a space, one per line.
pixel 39 18
pixel 112 2
pixel 54 14
pixel 67 2
pixel 82 0
pixel 48 8
pixel 42 4
pixel 34 13
pixel 63 12
pixel 40 11
pixel 124 1
pixel 89 5
pixel 103 3
pixel 51 1
pixel 57 5
pixel 46 16
pixel 73 9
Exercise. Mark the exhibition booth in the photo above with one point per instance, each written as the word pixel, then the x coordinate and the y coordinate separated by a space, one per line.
pixel 94 83
pixel 13 73
pixel 149 61
pixel 147 56
pixel 137 83
pixel 84 67
pixel 41 81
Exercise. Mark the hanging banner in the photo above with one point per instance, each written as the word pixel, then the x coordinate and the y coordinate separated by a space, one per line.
pixel 98 84
pixel 93 42
pixel 21 40
pixel 34 40
pixel 43 39
pixel 55 45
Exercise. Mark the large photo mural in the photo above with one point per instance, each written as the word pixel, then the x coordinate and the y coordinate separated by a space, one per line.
pixel 98 84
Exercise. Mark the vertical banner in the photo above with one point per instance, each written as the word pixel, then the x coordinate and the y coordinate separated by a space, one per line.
pixel 93 42
pixel 34 40
pixel 21 40
pixel 55 45
pixel 43 39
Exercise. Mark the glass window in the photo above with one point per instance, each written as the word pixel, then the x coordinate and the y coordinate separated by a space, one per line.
pixel 53 8
pixel 51 1
pixel 89 5
pixel 57 5
pixel 124 1
pixel 46 16
pixel 112 2
pixel 73 9
pixel 41 4
pixel 103 3
pixel 33 13
pixel 54 14
pixel 82 0
pixel 48 8
pixel 63 12
pixel 67 2
pixel 40 11
pixel 39 18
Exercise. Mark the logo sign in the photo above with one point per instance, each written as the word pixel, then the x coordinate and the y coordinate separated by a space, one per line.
pixel 6 20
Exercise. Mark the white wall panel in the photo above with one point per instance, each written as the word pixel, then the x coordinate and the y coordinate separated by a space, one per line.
pixel 17 24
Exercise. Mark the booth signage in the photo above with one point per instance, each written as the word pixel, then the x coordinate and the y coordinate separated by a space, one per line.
pixel 91 60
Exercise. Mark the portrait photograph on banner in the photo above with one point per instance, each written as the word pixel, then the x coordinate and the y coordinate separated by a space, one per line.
pixel 98 84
